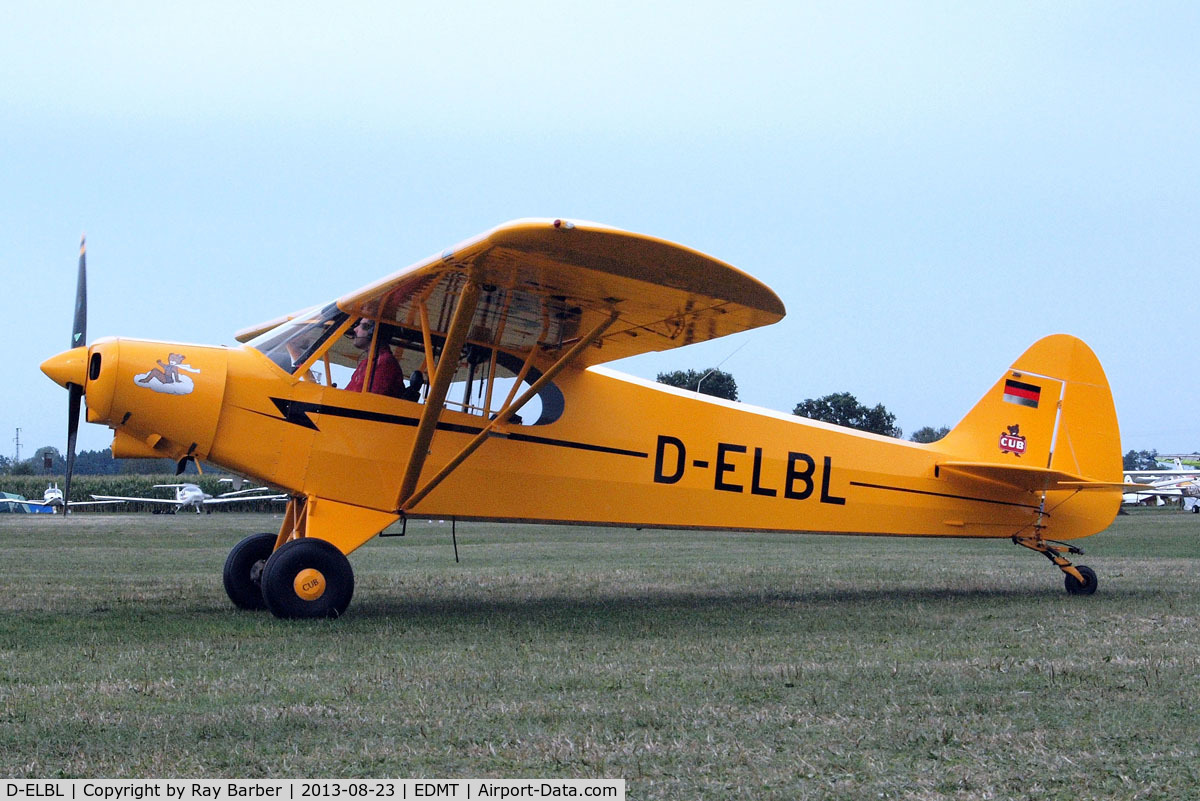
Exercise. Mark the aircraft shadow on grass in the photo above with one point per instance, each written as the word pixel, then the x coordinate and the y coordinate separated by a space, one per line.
pixel 839 609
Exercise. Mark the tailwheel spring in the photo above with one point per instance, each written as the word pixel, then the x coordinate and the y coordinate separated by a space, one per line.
pixel 1078 579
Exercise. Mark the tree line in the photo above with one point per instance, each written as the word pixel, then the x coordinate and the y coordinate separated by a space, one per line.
pixel 1141 460
pixel 839 408
pixel 48 461
pixel 843 409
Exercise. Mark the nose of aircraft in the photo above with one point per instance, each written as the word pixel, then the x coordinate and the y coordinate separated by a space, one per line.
pixel 68 367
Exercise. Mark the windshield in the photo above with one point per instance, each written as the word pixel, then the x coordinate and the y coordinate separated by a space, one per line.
pixel 290 344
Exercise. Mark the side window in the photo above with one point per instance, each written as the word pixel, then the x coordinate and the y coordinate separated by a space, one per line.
pixel 486 380
pixel 337 364
pixel 338 375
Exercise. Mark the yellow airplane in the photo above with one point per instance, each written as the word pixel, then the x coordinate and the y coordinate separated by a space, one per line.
pixel 488 401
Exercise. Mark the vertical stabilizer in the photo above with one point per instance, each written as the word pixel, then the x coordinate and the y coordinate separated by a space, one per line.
pixel 1052 409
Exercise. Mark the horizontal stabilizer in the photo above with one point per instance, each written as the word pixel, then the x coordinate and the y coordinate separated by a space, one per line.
pixel 1030 479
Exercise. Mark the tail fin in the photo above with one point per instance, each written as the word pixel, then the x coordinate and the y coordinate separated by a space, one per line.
pixel 1047 427
pixel 1052 410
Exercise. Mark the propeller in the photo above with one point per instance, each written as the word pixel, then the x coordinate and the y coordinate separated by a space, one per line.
pixel 75 391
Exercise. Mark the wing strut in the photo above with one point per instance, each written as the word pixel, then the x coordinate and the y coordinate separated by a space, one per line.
pixel 456 337
pixel 502 416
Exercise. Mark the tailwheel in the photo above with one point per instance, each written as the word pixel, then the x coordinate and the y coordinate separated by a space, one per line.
pixel 244 568
pixel 307 578
pixel 1077 587
pixel 1079 580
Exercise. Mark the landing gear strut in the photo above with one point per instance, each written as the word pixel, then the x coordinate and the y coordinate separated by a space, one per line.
pixel 1079 580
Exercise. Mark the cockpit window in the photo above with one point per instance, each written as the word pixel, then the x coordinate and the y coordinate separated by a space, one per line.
pixel 488 380
pixel 291 344
pixel 485 382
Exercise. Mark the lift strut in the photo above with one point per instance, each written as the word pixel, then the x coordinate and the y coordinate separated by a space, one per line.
pixel 510 409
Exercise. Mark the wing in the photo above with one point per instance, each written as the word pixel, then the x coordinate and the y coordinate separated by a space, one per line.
pixel 44 503
pixel 1176 481
pixel 244 499
pixel 19 502
pixel 546 282
pixel 121 498
pixel 248 494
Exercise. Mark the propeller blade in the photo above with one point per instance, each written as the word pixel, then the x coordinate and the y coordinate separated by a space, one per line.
pixel 75 391
pixel 74 396
pixel 79 329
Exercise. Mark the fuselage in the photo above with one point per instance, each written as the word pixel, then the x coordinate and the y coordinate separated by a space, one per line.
pixel 619 451
pixel 190 496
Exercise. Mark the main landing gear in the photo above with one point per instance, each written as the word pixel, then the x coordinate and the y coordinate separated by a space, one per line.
pixel 304 578
pixel 244 569
pixel 1079 580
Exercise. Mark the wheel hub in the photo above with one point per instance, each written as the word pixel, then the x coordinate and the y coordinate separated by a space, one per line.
pixel 309 584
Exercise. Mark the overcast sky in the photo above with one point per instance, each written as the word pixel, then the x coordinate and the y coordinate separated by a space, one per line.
pixel 929 187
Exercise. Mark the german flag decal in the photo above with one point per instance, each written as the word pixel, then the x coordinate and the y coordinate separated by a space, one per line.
pixel 1022 394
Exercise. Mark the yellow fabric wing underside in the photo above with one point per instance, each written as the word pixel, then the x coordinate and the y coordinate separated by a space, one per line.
pixel 545 282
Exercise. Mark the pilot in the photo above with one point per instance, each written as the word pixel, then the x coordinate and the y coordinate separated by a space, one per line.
pixel 386 378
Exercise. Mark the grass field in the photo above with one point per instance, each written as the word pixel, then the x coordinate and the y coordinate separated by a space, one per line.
pixel 692 665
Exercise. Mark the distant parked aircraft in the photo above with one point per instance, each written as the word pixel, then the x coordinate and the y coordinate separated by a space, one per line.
pixel 1176 482
pixel 52 499
pixel 190 496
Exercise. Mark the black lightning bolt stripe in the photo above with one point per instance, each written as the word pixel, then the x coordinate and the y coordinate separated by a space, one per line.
pixel 297 413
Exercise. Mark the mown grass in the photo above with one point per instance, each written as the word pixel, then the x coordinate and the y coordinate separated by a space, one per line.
pixel 694 665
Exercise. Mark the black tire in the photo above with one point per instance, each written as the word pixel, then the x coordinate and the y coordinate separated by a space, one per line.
pixel 1089 581
pixel 243 570
pixel 285 575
